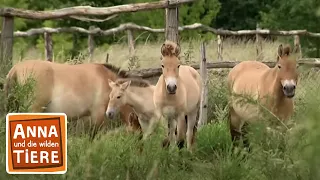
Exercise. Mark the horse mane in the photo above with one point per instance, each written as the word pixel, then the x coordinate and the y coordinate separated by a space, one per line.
pixel 134 82
pixel 117 70
pixel 170 48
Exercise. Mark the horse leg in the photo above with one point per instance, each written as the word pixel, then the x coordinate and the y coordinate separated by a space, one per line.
pixel 190 129
pixel 181 131
pixel 235 125
pixel 97 117
pixel 150 127
pixel 171 131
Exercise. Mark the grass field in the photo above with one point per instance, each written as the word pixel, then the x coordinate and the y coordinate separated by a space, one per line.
pixel 280 155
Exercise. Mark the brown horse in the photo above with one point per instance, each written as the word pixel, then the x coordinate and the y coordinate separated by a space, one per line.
pixel 177 96
pixel 77 90
pixel 274 89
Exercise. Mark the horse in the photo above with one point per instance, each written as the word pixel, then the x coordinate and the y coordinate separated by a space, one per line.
pixel 137 93
pixel 77 90
pixel 177 96
pixel 273 88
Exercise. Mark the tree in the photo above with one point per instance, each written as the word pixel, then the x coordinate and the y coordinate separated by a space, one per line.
pixel 295 14
pixel 237 15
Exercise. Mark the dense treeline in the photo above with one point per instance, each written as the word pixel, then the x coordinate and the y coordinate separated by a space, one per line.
pixel 226 14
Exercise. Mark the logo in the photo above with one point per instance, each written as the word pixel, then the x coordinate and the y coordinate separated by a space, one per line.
pixel 36 143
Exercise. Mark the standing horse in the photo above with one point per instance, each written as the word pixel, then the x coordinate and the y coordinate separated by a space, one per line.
pixel 177 95
pixel 274 88
pixel 138 94
pixel 77 90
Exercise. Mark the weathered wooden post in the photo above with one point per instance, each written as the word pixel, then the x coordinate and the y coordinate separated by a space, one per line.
pixel 48 44
pixel 298 46
pixel 203 113
pixel 172 22
pixel 6 44
pixel 107 58
pixel 220 48
pixel 259 44
pixel 130 42
pixel 91 43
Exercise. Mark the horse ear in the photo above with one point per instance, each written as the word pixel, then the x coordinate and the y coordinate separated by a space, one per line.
pixel 111 83
pixel 163 49
pixel 125 85
pixel 280 51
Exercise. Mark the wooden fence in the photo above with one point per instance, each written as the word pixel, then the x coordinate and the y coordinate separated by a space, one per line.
pixel 130 27
pixel 8 14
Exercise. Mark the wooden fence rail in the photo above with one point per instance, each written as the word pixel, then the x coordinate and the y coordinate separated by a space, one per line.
pixel 88 10
pixel 132 26
pixel 154 72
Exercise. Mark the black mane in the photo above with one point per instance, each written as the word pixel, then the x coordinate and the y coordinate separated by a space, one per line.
pixel 117 70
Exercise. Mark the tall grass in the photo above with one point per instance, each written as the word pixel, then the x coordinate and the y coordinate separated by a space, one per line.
pixel 278 155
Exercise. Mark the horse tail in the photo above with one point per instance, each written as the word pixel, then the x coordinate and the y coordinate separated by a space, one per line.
pixel 10 80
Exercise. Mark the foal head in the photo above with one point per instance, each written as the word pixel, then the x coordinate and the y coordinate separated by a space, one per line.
pixel 117 97
pixel 170 65
pixel 287 70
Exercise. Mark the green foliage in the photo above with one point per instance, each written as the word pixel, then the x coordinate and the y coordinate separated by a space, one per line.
pixel 21 96
pixel 236 15
pixel 218 95
pixel 293 14
pixel 188 55
pixel 18 23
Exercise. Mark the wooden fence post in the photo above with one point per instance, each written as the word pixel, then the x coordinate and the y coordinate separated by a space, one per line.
pixel 130 42
pixel 91 44
pixel 172 23
pixel 6 44
pixel 298 46
pixel 48 44
pixel 107 58
pixel 220 48
pixel 259 45
pixel 203 111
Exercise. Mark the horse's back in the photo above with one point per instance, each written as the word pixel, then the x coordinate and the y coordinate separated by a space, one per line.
pixel 72 89
pixel 245 76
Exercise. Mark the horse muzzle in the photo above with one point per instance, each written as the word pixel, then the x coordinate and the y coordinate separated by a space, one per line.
pixel 172 88
pixel 110 114
pixel 289 90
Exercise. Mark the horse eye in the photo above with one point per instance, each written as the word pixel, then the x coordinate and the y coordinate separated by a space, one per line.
pixel 279 66
pixel 178 66
pixel 162 66
pixel 118 97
